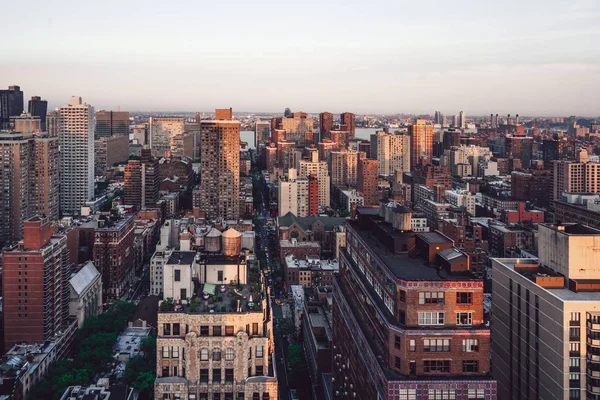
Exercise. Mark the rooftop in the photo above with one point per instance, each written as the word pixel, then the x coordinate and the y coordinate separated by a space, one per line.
pixel 182 257
pixel 311 263
pixel 434 238
pixel 574 229
pixel 84 277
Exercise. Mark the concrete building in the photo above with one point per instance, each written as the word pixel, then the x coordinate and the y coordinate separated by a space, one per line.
pixel 421 143
pixel 392 152
pixel 297 126
pixel 349 198
pixel 85 293
pixel 579 176
pixel 545 317
pixel 226 353
pixel 293 195
pixel 367 172
pixel 406 326
pixel 321 171
pixel 35 285
pixel 114 253
pixel 461 199
pixel 177 275
pixel 160 257
pixel 29 184
pixel 262 132
pixel 310 271
pixel 76 139
pixel 462 120
pixel 162 133
pixel 110 150
pixel 112 123
pixel 220 169
pixel 344 167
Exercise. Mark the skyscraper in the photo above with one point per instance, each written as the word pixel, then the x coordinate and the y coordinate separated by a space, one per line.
pixel 220 168
pixel 462 120
pixel 38 108
pixel 325 124
pixel 367 181
pixel 76 155
pixel 112 123
pixel 262 132
pixel 142 182
pixel 348 120
pixel 321 171
pixel 162 132
pixel 11 105
pixel 297 126
pixel 392 151
pixel 35 285
pixel 29 179
pixel 421 143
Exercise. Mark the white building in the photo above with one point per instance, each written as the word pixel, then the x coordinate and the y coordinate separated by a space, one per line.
pixel 461 198
pixel 488 168
pixel 177 275
pixel 392 151
pixel 76 138
pixel 293 195
pixel 349 197
pixel 157 262
pixel 86 293
pixel 419 224
pixel 321 170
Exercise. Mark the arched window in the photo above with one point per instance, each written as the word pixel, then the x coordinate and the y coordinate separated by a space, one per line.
pixel 216 354
pixel 204 355
pixel 229 354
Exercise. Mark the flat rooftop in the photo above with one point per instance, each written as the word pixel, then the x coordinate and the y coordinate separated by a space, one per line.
pixel 434 238
pixel 574 229
pixel 182 257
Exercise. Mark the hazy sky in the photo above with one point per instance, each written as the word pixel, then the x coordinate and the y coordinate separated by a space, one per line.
pixel 531 57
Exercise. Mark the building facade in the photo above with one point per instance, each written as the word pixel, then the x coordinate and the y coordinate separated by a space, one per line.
pixel 162 133
pixel 112 123
pixel 392 151
pixel 421 143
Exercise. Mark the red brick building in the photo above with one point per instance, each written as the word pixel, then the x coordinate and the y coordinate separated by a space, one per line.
pixel 325 124
pixel 522 215
pixel 367 181
pixel 35 284
pixel 532 186
pixel 402 328
pixel 313 195
pixel 348 120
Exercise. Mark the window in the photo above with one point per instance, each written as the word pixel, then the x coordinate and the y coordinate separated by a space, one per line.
pixel 216 396
pixel 228 396
pixel 216 354
pixel 442 394
pixel 204 330
pixel 464 298
pixel 177 275
pixel 249 353
pixel 165 371
pixel 436 366
pixel 216 331
pixel 165 352
pixel 402 296
pixel 176 330
pixel 470 366
pixel 229 375
pixel 397 362
pixel 229 354
pixel 259 370
pixel 259 351
pixel 431 297
pixel 397 342
pixel 204 355
pixel 183 293
pixel 402 317
pixel 470 345
pixel 574 362
pixel 175 352
pixel 431 318
pixel 255 396
pixel 216 379
pixel 412 345
pixel 574 347
pixel 574 394
pixel 255 328
pixel 220 276
pixel 574 380
pixel 436 345
pixel 167 329
pixel 204 376
pixel 476 394
pixel 265 396
pixel 574 333
pixel 408 394
pixel 240 396
pixel 175 371
pixel 464 318
pixel 229 330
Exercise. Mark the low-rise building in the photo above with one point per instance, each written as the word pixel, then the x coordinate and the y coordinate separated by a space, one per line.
pixel 298 249
pixel 349 198
pixel 310 271
pixel 102 390
pixel 86 293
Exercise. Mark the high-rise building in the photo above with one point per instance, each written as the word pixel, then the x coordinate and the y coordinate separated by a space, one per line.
pixel 462 120
pixel 293 195
pixel 225 354
pixel 262 132
pixel 321 170
pixel 11 105
pixel 325 124
pixel 29 184
pixel 558 149
pixel 579 176
pixel 297 126
pixel 344 167
pixel 162 133
pixel 438 119
pixel 142 181
pixel 35 285
pixel 519 147
pixel 111 123
pixel 367 174
pixel 220 168
pixel 38 108
pixel 76 155
pixel 110 150
pixel 451 138
pixel 421 143
pixel 114 253
pixel 347 119
pixel 392 151
pixel 407 326
pixel 545 317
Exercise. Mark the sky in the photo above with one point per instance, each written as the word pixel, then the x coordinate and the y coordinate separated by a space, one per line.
pixel 532 57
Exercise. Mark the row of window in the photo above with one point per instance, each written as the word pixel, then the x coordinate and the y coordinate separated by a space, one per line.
pixel 443 366
pixel 216 396
pixel 443 394
pixel 217 330
pixel 439 297
pixel 438 318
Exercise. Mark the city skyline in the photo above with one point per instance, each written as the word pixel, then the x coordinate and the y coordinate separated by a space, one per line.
pixel 463 56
